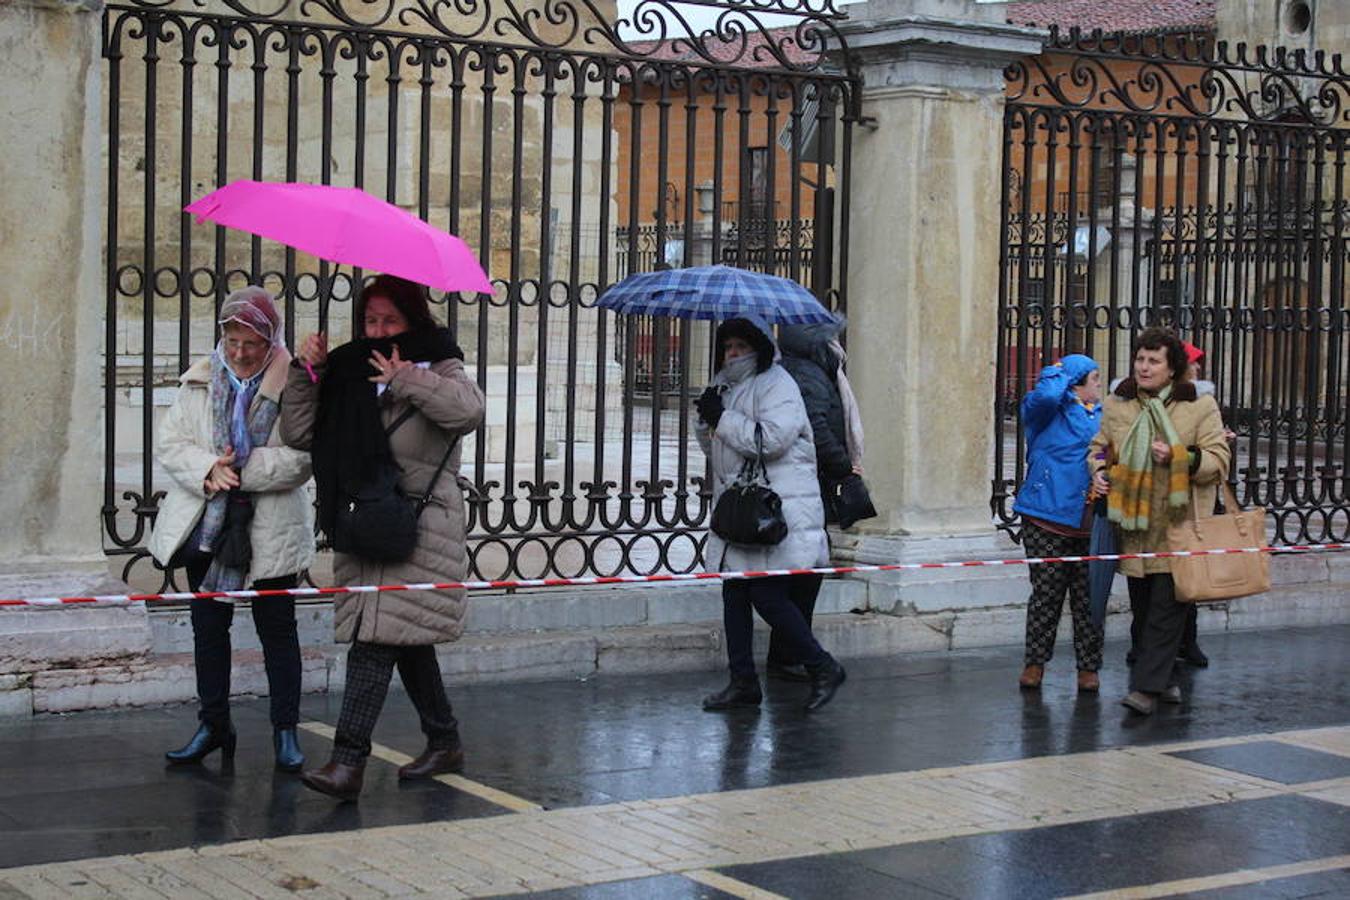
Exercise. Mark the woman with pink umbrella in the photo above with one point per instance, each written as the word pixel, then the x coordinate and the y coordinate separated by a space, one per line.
pixel 396 400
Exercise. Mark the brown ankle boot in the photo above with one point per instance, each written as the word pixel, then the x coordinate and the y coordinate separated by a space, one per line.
pixel 1088 682
pixel 433 762
pixel 336 780
pixel 1031 677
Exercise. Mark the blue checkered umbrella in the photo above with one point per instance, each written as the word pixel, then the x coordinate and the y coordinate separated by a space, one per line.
pixel 717 293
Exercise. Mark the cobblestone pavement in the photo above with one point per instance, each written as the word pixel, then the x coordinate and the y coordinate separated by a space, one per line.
pixel 931 776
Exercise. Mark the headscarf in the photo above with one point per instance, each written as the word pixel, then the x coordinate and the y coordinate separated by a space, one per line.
pixel 1132 476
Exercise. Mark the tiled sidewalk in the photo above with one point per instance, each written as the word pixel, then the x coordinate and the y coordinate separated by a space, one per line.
pixel 566 848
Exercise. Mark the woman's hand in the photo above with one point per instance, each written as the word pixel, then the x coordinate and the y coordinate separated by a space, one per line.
pixel 709 406
pixel 388 368
pixel 858 470
pixel 1162 452
pixel 222 476
pixel 314 349
pixel 1101 485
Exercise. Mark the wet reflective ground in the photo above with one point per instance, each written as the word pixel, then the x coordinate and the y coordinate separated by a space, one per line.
pixel 93 785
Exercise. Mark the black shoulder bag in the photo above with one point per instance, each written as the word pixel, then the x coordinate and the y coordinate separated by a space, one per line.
pixel 749 512
pixel 378 521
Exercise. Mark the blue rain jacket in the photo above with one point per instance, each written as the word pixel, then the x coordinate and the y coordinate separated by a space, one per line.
pixel 1058 429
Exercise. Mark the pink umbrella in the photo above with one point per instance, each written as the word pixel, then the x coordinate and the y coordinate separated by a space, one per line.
pixel 346 225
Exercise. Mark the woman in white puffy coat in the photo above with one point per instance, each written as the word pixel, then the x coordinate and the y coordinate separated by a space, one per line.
pixel 753 399
pixel 235 515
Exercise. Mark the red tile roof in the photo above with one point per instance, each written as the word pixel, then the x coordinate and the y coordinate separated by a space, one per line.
pixel 756 53
pixel 1115 15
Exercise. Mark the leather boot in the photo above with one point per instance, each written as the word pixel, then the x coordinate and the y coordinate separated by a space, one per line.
pixel 203 742
pixel 742 691
pixel 1088 682
pixel 287 746
pixel 1192 655
pixel 433 761
pixel 336 780
pixel 825 680
pixel 1031 677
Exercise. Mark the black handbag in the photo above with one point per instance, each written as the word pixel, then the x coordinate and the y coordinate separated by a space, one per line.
pixel 851 500
pixel 378 521
pixel 749 512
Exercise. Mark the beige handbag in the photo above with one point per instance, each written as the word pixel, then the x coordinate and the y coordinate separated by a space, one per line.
pixel 1204 579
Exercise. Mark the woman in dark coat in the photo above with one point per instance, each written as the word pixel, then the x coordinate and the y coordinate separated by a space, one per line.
pixel 812 356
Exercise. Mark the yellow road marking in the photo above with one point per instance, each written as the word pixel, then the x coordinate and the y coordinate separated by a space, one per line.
pixel 458 782
pixel 733 886
pixel 1227 879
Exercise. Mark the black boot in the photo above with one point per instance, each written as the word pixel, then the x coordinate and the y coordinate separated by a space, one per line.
pixel 742 691
pixel 287 746
pixel 825 680
pixel 1191 654
pixel 203 742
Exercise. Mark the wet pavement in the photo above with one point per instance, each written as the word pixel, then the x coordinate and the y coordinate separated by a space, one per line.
pixel 88 787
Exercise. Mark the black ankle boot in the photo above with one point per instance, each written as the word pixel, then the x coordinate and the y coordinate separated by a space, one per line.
pixel 287 746
pixel 825 680
pixel 742 691
pixel 203 742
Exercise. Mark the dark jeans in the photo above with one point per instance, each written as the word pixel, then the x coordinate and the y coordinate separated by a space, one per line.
pixel 1156 633
pixel 370 668
pixel 804 598
pixel 776 600
pixel 274 618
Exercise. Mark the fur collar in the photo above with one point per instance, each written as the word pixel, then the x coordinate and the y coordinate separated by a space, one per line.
pixel 1128 389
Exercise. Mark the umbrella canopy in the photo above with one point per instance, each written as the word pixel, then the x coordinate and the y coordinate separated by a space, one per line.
pixel 346 225
pixel 717 293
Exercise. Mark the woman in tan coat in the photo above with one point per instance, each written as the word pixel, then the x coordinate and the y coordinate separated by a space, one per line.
pixel 1161 448
pixel 399 393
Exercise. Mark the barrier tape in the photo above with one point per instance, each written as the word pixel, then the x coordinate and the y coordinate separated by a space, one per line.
pixel 590 580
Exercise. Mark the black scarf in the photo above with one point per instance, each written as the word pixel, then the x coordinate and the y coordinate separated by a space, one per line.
pixel 350 445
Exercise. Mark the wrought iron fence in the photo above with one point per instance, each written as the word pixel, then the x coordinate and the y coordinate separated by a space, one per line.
pixel 534 131
pixel 1163 180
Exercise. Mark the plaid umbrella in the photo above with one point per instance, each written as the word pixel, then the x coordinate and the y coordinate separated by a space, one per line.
pixel 717 293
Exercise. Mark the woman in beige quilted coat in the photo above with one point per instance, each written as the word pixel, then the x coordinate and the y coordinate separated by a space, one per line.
pixel 398 393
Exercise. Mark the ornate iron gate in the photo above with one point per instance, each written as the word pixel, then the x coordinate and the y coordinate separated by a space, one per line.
pixel 548 135
pixel 1161 180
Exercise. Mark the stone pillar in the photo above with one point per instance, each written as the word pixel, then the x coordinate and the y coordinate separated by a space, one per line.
pixel 923 268
pixel 51 297
pixel 52 209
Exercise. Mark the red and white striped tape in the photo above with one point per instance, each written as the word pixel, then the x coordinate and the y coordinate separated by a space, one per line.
pixel 586 581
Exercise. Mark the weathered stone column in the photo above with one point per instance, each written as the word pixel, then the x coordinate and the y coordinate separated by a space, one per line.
pixel 51 315
pixel 51 297
pixel 923 271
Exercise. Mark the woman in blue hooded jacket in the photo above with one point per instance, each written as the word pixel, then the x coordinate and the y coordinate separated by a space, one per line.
pixel 1060 417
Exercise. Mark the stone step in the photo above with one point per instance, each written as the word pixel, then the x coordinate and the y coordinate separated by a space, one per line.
pixel 583 652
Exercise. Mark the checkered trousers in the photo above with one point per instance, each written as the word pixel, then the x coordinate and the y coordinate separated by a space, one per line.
pixel 1049 585
pixel 370 667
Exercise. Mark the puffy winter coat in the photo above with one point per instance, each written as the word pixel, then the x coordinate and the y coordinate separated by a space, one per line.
pixel 771 400
pixel 282 531
pixel 807 356
pixel 1058 429
pixel 451 406
pixel 1199 425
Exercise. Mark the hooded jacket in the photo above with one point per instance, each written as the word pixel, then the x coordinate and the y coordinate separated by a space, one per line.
pixel 770 399
pixel 1058 430
pixel 807 356
pixel 282 530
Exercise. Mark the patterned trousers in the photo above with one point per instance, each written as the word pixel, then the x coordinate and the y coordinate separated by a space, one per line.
pixel 1049 584
pixel 370 668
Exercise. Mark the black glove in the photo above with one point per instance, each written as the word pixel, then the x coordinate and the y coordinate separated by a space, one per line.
pixel 709 406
